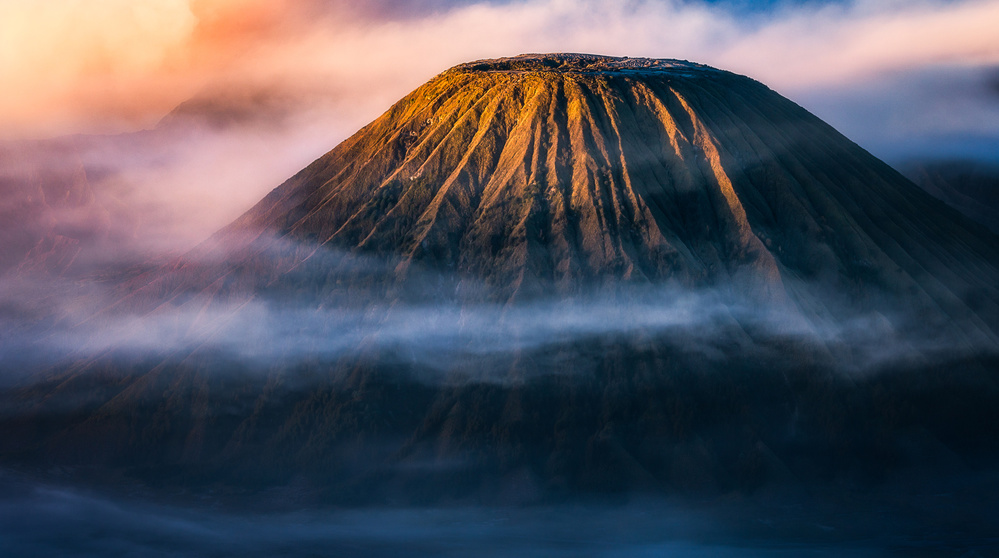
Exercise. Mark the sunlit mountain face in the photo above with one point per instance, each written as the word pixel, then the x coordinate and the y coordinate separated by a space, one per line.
pixel 553 303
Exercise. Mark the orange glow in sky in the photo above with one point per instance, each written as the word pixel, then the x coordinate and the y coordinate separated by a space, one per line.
pixel 110 65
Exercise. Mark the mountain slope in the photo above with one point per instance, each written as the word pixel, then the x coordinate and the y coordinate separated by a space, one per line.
pixel 568 171
pixel 971 187
pixel 484 289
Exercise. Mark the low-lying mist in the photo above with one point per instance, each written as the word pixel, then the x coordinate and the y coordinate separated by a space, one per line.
pixel 96 202
pixel 715 423
pixel 439 321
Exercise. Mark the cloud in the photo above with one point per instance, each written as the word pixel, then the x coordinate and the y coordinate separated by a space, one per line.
pixel 64 59
pixel 837 43
pixel 72 61
pixel 930 112
pixel 425 328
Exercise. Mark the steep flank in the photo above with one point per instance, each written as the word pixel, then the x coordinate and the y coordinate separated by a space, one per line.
pixel 971 187
pixel 527 178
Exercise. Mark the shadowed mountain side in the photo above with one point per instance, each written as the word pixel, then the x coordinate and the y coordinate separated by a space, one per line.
pixel 971 187
pixel 558 173
pixel 617 415
pixel 50 211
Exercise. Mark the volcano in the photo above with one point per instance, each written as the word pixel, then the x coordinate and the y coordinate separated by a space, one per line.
pixel 542 174
pixel 649 275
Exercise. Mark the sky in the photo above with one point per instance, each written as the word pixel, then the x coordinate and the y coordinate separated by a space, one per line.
pixel 115 65
pixel 292 78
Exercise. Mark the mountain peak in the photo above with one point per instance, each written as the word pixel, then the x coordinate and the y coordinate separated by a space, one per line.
pixel 557 173
pixel 576 63
pixel 358 283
